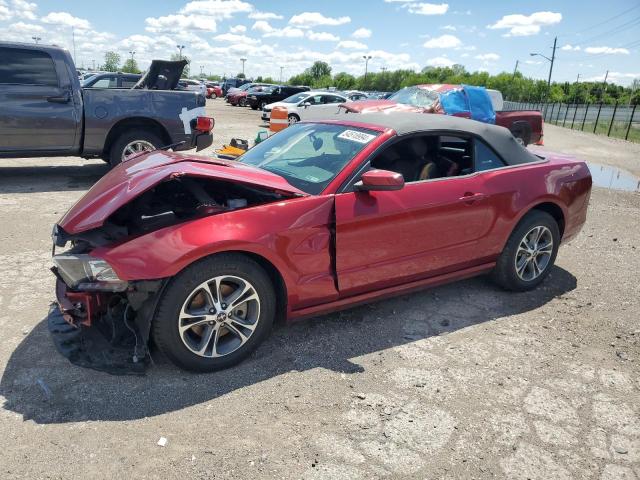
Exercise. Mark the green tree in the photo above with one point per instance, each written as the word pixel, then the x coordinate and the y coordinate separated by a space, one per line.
pixel 344 81
pixel 111 62
pixel 319 70
pixel 241 75
pixel 130 66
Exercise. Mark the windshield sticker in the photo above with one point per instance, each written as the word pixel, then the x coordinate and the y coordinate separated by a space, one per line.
pixel 355 136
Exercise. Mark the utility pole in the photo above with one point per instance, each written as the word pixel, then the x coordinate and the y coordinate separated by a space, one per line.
pixel 604 85
pixel 180 48
pixel 515 69
pixel 243 60
pixel 73 39
pixel 281 68
pixel 94 64
pixel 553 58
pixel 201 70
pixel 366 66
pixel 132 53
pixel 575 95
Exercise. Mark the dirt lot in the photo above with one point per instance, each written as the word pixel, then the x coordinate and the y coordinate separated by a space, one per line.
pixel 461 381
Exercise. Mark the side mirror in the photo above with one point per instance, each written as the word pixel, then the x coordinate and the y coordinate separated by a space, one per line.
pixel 380 180
pixel 306 104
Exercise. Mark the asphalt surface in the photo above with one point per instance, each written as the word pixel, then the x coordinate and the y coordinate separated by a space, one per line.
pixel 460 381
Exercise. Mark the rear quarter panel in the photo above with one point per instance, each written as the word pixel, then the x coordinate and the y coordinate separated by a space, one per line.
pixel 515 191
pixel 104 108
pixel 293 235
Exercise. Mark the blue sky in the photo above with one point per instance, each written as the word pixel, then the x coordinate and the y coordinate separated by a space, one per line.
pixel 592 37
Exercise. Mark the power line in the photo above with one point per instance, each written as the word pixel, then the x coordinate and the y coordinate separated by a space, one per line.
pixel 614 31
pixel 601 23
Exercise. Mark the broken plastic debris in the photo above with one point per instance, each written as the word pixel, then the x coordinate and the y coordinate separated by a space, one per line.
pixel 162 442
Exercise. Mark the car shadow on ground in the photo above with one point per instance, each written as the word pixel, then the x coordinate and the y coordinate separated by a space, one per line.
pixel 50 178
pixel 41 385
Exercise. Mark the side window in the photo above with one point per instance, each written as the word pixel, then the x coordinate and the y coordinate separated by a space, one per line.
pixel 108 82
pixel 333 99
pixel 485 158
pixel 128 82
pixel 314 100
pixel 27 67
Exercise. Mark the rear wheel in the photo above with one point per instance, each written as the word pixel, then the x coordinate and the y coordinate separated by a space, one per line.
pixel 529 253
pixel 262 105
pixel 215 313
pixel 522 133
pixel 243 102
pixel 133 142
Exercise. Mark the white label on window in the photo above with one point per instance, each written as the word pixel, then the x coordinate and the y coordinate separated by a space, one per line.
pixel 355 136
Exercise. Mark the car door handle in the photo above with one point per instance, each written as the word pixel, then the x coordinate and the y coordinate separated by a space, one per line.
pixel 66 98
pixel 469 198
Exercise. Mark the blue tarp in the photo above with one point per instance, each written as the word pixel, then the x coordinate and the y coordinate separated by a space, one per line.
pixel 474 101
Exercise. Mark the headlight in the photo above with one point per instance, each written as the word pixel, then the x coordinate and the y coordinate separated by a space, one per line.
pixel 84 272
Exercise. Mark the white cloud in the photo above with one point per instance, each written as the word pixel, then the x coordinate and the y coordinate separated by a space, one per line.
pixel 238 29
pixel 217 8
pixel 619 78
pixel 427 8
pixel 66 19
pixel 362 33
pixel 533 62
pixel 235 38
pixel 265 16
pixel 524 25
pixel 451 28
pixel 180 23
pixel 440 62
pixel 287 32
pixel 24 9
pixel 443 41
pixel 314 19
pixel 352 45
pixel 262 26
pixel 5 13
pixel 488 57
pixel 607 50
pixel 322 36
pixel 25 28
pixel 569 48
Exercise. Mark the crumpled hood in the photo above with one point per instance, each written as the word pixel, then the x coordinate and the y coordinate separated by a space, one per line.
pixel 368 106
pixel 130 179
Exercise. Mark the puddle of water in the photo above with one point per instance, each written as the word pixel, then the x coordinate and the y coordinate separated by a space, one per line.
pixel 613 178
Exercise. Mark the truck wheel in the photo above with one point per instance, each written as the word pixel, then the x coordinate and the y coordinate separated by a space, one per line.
pixel 132 142
pixel 214 313
pixel 522 134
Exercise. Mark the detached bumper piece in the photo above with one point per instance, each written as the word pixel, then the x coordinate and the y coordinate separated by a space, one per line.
pixel 88 347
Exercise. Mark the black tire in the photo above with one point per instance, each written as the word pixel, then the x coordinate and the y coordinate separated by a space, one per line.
pixel 125 138
pixel 504 273
pixel 293 118
pixel 242 102
pixel 213 96
pixel 262 105
pixel 254 107
pixel 522 132
pixel 165 324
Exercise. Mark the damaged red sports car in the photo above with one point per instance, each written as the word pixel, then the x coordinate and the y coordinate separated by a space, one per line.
pixel 203 254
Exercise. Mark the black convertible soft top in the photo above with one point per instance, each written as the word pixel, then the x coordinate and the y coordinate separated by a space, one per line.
pixel 405 123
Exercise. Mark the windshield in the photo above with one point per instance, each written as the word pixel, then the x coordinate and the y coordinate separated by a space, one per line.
pixel 246 87
pixel 296 98
pixel 309 155
pixel 418 97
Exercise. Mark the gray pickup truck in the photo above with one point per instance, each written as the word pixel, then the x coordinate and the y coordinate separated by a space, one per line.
pixel 45 112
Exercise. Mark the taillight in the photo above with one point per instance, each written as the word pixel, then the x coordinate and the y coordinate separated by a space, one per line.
pixel 204 124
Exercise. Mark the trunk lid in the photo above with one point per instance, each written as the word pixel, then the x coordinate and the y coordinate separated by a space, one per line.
pixel 129 180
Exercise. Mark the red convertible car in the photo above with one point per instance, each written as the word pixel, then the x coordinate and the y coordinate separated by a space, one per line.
pixel 204 254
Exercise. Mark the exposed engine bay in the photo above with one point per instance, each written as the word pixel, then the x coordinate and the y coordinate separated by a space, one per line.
pixel 122 312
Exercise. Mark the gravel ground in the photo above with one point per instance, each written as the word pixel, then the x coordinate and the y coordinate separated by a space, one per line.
pixel 460 381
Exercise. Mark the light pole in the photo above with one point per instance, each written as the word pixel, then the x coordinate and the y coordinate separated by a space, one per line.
pixel 281 68
pixel 36 39
pixel 366 66
pixel 132 53
pixel 551 60
pixel 243 60
pixel 180 48
pixel 201 70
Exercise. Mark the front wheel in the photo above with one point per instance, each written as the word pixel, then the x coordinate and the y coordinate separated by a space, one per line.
pixel 215 313
pixel 529 253
pixel 293 118
pixel 242 102
pixel 262 105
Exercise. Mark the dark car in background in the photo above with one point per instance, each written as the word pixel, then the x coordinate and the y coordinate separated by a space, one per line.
pixel 111 80
pixel 45 112
pixel 259 100
pixel 230 83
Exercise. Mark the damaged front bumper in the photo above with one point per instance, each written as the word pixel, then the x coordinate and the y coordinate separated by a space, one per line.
pixel 104 330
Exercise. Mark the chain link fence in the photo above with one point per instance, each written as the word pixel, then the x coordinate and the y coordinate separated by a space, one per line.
pixel 620 121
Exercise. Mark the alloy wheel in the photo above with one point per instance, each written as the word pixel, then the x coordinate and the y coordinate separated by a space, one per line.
pixel 219 316
pixel 534 253
pixel 135 147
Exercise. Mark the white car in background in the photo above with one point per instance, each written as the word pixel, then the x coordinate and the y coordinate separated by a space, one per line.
pixel 307 105
pixel 194 86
